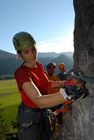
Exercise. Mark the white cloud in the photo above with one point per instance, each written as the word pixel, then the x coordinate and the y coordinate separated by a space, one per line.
pixel 62 44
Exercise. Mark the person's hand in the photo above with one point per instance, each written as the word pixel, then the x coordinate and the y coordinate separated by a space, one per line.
pixel 72 93
pixel 75 93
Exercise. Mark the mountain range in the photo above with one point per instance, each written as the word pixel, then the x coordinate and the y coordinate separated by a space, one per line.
pixel 9 61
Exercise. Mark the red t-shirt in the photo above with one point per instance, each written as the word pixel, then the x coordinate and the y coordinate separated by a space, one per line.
pixel 38 76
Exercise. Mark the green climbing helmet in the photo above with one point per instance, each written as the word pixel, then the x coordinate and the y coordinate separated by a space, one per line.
pixel 23 40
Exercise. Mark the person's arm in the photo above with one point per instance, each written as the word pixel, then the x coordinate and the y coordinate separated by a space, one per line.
pixel 42 101
pixel 55 84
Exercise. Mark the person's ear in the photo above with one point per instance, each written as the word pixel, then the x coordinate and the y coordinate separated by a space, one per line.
pixel 19 56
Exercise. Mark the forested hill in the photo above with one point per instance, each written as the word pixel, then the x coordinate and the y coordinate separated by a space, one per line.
pixel 9 61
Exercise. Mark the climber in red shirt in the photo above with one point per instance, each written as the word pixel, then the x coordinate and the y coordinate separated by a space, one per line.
pixel 32 119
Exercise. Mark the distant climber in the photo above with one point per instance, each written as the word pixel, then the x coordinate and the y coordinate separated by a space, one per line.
pixel 51 71
pixel 62 74
pixel 52 76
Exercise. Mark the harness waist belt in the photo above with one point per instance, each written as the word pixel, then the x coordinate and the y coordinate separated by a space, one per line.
pixel 31 109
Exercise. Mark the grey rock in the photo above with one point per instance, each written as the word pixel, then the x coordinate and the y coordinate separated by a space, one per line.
pixel 79 124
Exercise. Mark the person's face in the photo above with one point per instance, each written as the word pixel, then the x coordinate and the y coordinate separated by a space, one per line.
pixel 29 54
pixel 51 70
pixel 62 70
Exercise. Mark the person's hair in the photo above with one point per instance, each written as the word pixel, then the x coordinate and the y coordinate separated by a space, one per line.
pixel 19 52
pixel 48 66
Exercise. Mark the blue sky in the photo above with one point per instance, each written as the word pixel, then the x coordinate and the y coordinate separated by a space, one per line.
pixel 51 23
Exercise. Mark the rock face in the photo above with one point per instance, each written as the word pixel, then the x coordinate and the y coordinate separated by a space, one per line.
pixel 79 123
pixel 84 36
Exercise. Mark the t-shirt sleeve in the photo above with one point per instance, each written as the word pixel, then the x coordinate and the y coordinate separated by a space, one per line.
pixel 21 77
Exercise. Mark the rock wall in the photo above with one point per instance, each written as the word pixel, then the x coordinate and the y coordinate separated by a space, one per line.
pixel 78 124
pixel 84 36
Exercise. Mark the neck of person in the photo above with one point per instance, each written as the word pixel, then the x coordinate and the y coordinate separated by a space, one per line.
pixel 30 64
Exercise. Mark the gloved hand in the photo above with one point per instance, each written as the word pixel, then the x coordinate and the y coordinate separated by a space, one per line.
pixel 73 94
pixel 76 93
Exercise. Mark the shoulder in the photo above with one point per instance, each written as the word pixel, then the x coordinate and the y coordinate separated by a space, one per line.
pixel 21 76
pixel 39 64
pixel 59 74
pixel 55 78
pixel 19 70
